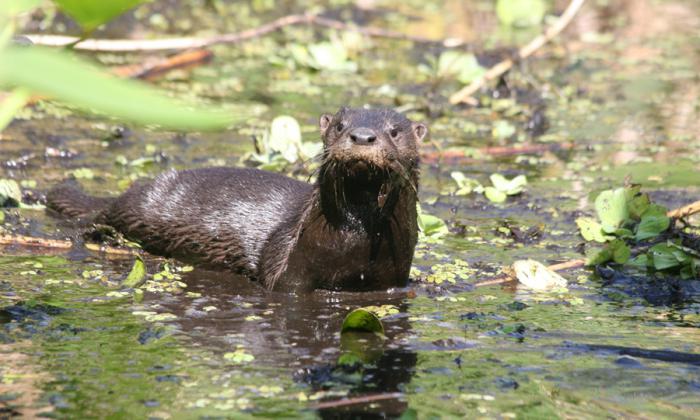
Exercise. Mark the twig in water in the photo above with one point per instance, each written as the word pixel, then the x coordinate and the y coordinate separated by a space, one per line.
pixel 465 94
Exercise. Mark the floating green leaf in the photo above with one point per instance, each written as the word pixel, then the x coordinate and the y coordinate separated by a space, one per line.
pixel 466 185
pixel 362 320
pixel 509 187
pixel 611 207
pixel 137 275
pixel 10 194
pixel 431 225
pixel 591 230
pixel 495 195
pixel 92 13
pixel 98 91
pixel 617 251
pixel 651 226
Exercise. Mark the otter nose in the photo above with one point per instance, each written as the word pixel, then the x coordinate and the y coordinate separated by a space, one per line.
pixel 362 136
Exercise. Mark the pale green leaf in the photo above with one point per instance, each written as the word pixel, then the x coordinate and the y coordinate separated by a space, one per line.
pixel 611 207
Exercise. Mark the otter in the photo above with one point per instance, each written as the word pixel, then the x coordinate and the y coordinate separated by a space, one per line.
pixel 354 229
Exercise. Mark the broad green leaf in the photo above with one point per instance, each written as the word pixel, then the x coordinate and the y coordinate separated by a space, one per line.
pixel 362 320
pixel 509 187
pixel 640 261
pixel 520 13
pixel 2 217
pixel 78 83
pixel 637 203
pixel 330 56
pixel 92 13
pixel 620 251
pixel 591 230
pixel 431 225
pixel 536 275
pixel 611 207
pixel 10 193
pixel 665 256
pixel 137 275
pixel 597 256
pixel 495 195
pixel 651 226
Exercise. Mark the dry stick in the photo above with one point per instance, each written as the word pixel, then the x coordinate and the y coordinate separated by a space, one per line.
pixel 678 213
pixel 130 45
pixel 33 241
pixel 357 400
pixel 465 94
pixel 154 69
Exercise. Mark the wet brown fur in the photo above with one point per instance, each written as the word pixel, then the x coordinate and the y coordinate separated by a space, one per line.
pixel 354 229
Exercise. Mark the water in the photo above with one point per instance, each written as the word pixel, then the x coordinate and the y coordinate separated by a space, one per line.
pixel 74 344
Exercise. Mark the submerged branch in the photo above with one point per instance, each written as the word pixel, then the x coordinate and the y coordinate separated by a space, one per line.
pixel 678 213
pixel 357 400
pixel 465 94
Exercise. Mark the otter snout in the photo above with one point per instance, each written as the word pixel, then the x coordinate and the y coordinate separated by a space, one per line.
pixel 363 136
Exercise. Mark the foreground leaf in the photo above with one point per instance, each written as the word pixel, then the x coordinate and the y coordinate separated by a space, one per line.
pixel 651 226
pixel 76 82
pixel 92 13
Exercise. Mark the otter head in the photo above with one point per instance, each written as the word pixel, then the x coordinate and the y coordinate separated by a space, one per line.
pixel 369 158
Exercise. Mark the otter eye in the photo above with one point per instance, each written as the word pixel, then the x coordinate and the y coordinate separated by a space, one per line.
pixel 394 132
pixel 339 127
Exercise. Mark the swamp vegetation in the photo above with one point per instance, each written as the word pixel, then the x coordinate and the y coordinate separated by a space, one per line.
pixel 578 153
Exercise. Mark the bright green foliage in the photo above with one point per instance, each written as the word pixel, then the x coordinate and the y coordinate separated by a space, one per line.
pixel 92 13
pixel 627 218
pixel 75 81
pixel 137 275
pixel 362 320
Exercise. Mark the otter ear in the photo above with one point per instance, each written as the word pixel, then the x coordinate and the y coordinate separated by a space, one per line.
pixel 419 130
pixel 325 122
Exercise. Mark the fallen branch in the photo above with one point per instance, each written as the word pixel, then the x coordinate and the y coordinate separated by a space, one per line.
pixel 357 400
pixel 156 68
pixel 507 277
pixel 465 94
pixel 130 45
pixel 36 242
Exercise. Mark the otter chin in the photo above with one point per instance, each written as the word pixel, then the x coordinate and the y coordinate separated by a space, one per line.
pixel 354 229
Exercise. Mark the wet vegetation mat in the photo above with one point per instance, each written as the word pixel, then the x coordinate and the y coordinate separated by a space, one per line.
pixel 579 151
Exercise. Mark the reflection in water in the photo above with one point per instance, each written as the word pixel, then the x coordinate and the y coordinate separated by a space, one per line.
pixel 301 334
